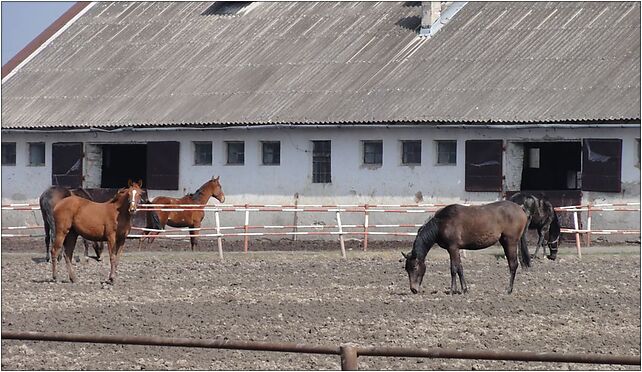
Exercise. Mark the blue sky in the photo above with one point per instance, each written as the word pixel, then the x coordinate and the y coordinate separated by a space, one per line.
pixel 23 21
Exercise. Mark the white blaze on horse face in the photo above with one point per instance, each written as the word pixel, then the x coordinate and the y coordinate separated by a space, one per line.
pixel 132 202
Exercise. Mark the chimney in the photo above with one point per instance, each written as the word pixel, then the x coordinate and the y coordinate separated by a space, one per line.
pixel 435 14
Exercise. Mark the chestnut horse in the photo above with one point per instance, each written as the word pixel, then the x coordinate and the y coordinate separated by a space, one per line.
pixel 48 200
pixel 110 221
pixel 184 218
pixel 456 227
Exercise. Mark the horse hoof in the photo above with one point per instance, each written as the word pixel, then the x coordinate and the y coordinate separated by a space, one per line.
pixel 551 257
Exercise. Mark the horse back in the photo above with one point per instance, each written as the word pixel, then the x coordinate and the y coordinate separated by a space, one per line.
pixel 484 224
pixel 178 218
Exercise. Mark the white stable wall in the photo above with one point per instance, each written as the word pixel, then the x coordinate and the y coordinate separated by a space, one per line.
pixel 352 182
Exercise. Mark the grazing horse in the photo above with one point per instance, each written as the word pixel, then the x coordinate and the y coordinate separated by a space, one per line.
pixel 110 221
pixel 541 216
pixel 183 218
pixel 48 201
pixel 456 227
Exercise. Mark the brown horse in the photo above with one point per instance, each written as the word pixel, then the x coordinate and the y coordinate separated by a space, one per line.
pixel 458 227
pixel 48 200
pixel 185 218
pixel 109 221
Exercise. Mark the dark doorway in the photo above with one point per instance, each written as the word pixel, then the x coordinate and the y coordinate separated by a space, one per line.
pixel 122 163
pixel 552 166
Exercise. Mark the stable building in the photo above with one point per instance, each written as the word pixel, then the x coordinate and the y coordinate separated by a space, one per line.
pixel 332 102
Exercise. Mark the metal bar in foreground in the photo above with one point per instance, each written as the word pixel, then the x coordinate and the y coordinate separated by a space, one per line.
pixel 348 352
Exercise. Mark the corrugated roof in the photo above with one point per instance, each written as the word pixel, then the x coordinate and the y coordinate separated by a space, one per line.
pixel 163 63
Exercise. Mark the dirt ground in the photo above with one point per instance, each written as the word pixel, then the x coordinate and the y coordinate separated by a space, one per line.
pixel 304 292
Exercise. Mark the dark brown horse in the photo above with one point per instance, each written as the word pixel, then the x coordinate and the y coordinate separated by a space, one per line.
pixel 458 227
pixel 48 200
pixel 184 218
pixel 109 221
pixel 542 217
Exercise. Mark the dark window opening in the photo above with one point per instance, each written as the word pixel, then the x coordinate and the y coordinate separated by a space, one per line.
pixel 8 153
pixel 36 154
pixel 373 152
pixel 226 7
pixel 122 163
pixel 235 153
pixel 271 153
pixel 483 170
pixel 551 166
pixel 446 152
pixel 202 153
pixel 411 152
pixel 321 162
pixel 66 164
pixel 602 165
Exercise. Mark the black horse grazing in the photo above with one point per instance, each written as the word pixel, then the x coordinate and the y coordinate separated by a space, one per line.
pixel 48 201
pixel 542 217
pixel 458 227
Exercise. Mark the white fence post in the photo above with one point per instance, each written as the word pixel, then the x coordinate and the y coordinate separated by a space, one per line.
pixel 218 232
pixel 577 234
pixel 343 247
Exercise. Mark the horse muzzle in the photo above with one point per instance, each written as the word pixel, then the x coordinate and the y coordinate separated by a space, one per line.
pixel 132 208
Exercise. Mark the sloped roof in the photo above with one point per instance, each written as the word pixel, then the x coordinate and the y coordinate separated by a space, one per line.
pixel 166 64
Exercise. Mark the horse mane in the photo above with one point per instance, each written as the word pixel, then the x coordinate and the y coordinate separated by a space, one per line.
pixel 426 236
pixel 116 197
pixel 196 195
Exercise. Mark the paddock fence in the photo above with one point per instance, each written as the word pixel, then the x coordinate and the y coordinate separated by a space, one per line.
pixel 339 229
pixel 348 352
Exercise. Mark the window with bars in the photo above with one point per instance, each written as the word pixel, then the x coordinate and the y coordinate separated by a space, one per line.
pixel 235 152
pixel 271 152
pixel 8 153
pixel 321 165
pixel 446 152
pixel 36 154
pixel 410 152
pixel 373 152
pixel 202 153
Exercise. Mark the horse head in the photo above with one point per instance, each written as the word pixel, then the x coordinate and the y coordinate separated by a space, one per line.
pixel 134 195
pixel 416 269
pixel 217 189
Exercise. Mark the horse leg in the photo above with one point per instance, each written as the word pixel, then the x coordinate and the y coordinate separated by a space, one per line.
pixel 85 243
pixel 98 248
pixel 456 269
pixel 70 244
pixel 510 250
pixel 114 254
pixel 47 240
pixel 193 238
pixel 55 250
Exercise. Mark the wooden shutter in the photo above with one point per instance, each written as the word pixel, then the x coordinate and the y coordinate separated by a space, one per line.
pixel 602 165
pixel 162 165
pixel 66 164
pixel 484 165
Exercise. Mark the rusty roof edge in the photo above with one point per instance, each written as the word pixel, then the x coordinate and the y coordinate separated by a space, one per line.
pixel 573 124
pixel 44 38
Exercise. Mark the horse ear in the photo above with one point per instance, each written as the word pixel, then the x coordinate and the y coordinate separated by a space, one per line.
pixel 129 183
pixel 140 183
pixel 406 256
pixel 215 179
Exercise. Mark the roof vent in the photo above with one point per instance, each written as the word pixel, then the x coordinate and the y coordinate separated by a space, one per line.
pixel 435 14
pixel 227 8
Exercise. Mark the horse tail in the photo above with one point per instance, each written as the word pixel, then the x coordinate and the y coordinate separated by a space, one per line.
pixel 523 247
pixel 153 220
